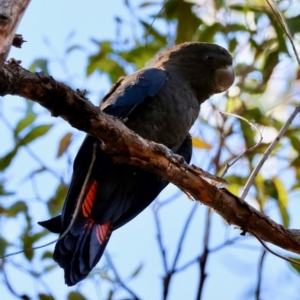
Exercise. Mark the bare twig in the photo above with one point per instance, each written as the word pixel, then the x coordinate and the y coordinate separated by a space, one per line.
pixel 118 278
pixel 228 165
pixel 183 235
pixel 204 256
pixel 268 152
pixel 259 278
pixel 7 283
pixel 152 22
pixel 273 252
pixel 169 273
pixel 195 260
pixel 224 244
pixel 160 241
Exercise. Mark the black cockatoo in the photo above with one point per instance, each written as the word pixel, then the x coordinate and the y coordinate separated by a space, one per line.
pixel 160 103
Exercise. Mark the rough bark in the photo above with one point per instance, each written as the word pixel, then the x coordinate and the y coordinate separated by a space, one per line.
pixel 130 148
pixel 11 13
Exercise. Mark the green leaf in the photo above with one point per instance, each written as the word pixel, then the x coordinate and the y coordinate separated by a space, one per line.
pixel 4 192
pixel 282 201
pixel 76 296
pixel 64 144
pixel 270 63
pixel 50 268
pixel 156 34
pixel 187 21
pixel 55 203
pixel 19 206
pixel 232 45
pixel 47 254
pixel 146 4
pixel 234 188
pixel 219 4
pixel 7 158
pixel 207 33
pixel 40 65
pixel 110 295
pixel 261 195
pixel 14 209
pixel 137 271
pixel 293 24
pixel 294 266
pixel 28 241
pixel 106 65
pixel 73 48
pixel 141 54
pixel 22 124
pixel 45 297
pixel 35 133
pixel 3 245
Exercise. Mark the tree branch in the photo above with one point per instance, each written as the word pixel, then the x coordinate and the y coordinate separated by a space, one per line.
pixel 128 147
pixel 11 13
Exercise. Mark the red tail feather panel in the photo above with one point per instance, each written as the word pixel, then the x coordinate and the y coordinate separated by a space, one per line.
pixel 90 197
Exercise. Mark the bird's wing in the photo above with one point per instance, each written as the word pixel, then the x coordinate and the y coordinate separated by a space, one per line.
pixel 149 186
pixel 110 189
pixel 132 90
pixel 146 182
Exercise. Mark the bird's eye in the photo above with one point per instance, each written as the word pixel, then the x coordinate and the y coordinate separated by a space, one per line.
pixel 209 57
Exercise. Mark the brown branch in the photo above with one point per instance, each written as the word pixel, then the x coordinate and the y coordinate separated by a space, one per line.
pixel 130 148
pixel 11 13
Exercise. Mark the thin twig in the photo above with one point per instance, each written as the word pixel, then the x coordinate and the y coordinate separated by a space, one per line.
pixel 268 152
pixel 169 200
pixel 271 251
pixel 7 283
pixel 28 249
pixel 118 278
pixel 259 279
pixel 35 275
pixel 152 22
pixel 183 235
pixel 226 243
pixel 228 165
pixel 169 274
pixel 204 256
pixel 160 242
pixel 193 261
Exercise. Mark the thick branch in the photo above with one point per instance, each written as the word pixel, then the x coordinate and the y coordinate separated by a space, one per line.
pixel 11 13
pixel 130 148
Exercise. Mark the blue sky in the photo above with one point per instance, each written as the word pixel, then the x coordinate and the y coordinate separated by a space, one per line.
pixel 232 272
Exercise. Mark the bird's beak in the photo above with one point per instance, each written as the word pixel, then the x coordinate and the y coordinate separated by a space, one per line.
pixel 224 78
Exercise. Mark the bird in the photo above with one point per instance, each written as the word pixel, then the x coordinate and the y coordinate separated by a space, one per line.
pixel 160 103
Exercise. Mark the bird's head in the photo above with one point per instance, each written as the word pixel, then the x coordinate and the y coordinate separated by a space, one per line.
pixel 207 67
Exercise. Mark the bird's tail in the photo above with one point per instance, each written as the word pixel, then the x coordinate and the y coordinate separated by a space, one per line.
pixel 80 249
